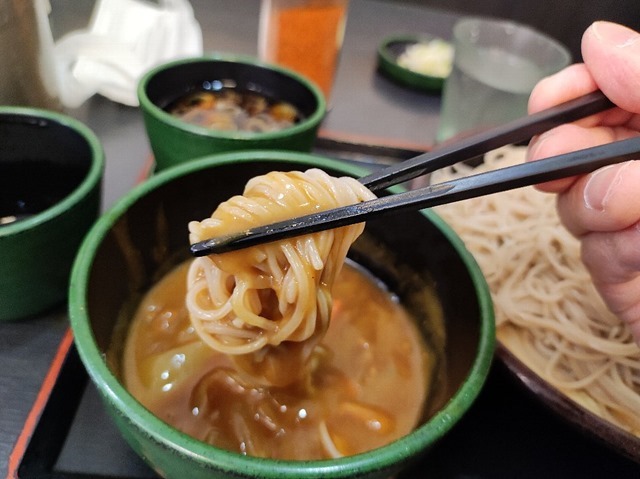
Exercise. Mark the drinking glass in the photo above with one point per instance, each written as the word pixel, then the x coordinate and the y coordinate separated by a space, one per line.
pixel 496 65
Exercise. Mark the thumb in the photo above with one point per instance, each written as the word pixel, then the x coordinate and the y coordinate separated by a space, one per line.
pixel 611 52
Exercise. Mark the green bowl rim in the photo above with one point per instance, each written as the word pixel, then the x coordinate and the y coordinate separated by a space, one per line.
pixel 161 115
pixel 80 191
pixel 387 62
pixel 231 462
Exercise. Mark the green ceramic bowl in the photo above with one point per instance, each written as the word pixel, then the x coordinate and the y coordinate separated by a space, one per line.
pixel 51 169
pixel 388 53
pixel 175 141
pixel 132 244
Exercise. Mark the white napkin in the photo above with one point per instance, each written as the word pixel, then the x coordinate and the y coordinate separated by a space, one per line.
pixel 125 38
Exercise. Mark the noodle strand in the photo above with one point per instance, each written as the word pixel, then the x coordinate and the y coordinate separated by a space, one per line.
pixel 547 309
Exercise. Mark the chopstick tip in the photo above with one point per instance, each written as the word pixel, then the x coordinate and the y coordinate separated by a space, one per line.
pixel 202 248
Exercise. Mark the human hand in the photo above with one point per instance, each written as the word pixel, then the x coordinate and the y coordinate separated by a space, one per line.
pixel 602 209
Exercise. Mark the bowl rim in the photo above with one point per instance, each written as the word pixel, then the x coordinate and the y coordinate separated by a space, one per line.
pixel 164 434
pixel 83 189
pixel 573 413
pixel 159 114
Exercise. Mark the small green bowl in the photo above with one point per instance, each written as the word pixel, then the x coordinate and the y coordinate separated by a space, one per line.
pixel 51 169
pixel 131 246
pixel 175 141
pixel 390 50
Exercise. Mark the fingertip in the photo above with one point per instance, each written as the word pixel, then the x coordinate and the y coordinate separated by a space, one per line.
pixel 569 83
pixel 559 140
pixel 605 200
pixel 615 34
pixel 612 188
pixel 544 146
pixel 557 186
pixel 612 55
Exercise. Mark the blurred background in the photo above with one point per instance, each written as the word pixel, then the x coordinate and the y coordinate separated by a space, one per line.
pixel 564 20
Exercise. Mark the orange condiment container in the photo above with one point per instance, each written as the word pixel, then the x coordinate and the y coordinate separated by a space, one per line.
pixel 304 35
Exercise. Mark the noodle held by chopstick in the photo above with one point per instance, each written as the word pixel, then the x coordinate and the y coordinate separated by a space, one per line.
pixel 547 310
pixel 269 305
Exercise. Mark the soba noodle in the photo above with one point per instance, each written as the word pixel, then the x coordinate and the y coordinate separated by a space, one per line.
pixel 273 300
pixel 548 311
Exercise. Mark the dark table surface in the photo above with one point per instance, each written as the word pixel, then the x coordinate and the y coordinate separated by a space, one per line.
pixel 508 433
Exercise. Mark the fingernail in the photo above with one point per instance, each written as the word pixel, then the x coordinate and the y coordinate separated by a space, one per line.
pixel 533 150
pixel 615 34
pixel 600 185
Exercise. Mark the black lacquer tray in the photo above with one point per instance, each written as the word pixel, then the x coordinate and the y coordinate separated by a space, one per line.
pixel 506 433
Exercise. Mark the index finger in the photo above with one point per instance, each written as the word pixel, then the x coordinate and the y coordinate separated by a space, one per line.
pixel 569 83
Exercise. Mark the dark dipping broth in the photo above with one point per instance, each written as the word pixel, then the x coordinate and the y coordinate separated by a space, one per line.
pixel 28 187
pixel 373 378
pixel 233 109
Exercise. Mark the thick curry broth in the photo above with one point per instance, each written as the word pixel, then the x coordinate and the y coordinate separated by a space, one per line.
pixel 368 382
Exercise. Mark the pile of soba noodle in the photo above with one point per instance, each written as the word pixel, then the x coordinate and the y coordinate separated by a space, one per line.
pixel 269 305
pixel 548 311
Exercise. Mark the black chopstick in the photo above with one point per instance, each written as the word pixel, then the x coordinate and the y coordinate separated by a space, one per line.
pixel 514 132
pixel 519 130
pixel 525 174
